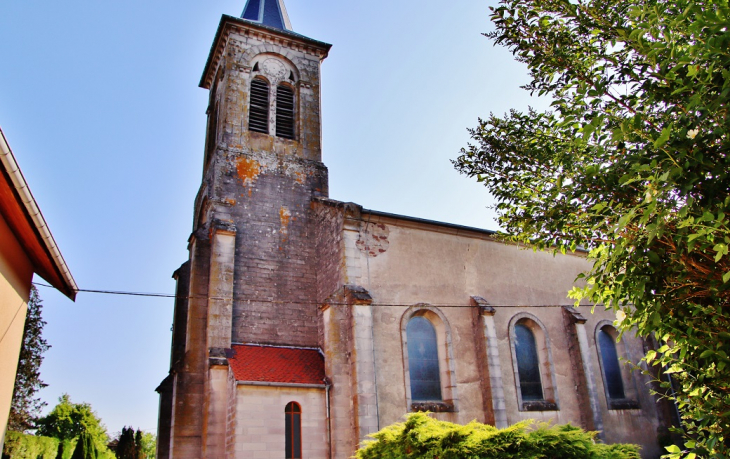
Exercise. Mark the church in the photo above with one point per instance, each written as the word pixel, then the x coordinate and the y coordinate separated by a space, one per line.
pixel 302 323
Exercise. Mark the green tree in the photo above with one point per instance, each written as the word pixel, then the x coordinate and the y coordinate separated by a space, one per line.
pixel 147 443
pixel 127 446
pixel 69 420
pixel 131 445
pixel 26 406
pixel 85 447
pixel 631 164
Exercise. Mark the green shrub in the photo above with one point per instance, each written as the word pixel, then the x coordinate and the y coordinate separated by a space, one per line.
pixel 423 437
pixel 21 446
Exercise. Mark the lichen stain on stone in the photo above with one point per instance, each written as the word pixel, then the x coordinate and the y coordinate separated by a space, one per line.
pixel 248 170
pixel 231 202
pixel 285 217
pixel 373 239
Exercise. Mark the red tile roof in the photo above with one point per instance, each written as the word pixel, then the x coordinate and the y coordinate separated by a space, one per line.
pixel 276 364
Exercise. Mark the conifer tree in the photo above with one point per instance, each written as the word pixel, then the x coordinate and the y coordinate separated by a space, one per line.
pixel 26 406
pixel 128 448
pixel 85 448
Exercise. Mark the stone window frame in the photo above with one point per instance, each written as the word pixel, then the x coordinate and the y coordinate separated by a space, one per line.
pixel 449 399
pixel 550 400
pixel 274 80
pixel 631 395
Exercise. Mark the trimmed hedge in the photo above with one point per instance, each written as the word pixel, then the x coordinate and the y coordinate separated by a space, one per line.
pixel 21 446
pixel 423 437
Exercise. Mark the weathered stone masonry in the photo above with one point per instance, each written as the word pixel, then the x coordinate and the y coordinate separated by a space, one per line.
pixel 252 274
pixel 275 264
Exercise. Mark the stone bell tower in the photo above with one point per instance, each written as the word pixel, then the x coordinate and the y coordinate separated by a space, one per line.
pixel 250 277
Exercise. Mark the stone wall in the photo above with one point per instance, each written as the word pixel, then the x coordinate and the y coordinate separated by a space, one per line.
pixel 410 265
pixel 260 421
pixel 262 185
pixel 328 223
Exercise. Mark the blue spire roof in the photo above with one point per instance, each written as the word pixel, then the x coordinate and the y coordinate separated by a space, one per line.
pixel 270 13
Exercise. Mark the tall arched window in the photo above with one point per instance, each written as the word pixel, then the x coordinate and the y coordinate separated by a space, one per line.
pixel 258 117
pixel 528 363
pixel 610 365
pixel 423 360
pixel 532 364
pixel 284 111
pixel 293 431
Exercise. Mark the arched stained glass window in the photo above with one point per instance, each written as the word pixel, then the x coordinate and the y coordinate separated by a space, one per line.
pixel 528 363
pixel 611 367
pixel 293 430
pixel 258 117
pixel 423 360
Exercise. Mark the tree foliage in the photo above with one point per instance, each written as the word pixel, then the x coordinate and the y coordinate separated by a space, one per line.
pixel 423 437
pixel 147 443
pixel 127 447
pixel 22 446
pixel 131 445
pixel 631 164
pixel 69 420
pixel 85 447
pixel 26 406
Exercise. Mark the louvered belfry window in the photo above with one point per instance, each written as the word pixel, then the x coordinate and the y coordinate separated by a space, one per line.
pixel 258 119
pixel 284 112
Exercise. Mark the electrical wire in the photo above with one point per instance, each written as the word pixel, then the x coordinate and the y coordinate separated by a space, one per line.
pixel 13 320
pixel 317 303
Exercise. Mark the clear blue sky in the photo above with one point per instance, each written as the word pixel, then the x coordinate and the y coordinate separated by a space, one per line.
pixel 100 103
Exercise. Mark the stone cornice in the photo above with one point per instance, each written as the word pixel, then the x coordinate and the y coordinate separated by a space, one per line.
pixel 230 24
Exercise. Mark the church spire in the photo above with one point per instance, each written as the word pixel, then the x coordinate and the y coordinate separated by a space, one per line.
pixel 270 13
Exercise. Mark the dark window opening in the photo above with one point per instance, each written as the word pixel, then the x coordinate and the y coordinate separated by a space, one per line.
pixel 258 118
pixel 212 112
pixel 293 431
pixel 423 360
pixel 611 366
pixel 285 112
pixel 212 130
pixel 528 363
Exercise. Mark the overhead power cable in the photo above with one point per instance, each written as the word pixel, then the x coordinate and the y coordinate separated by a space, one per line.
pixel 330 303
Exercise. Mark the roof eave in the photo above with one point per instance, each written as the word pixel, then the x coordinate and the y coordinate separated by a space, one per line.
pixel 281 384
pixel 61 279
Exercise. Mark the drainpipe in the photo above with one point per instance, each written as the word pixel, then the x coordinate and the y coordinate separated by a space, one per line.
pixel 327 386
